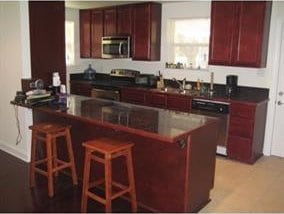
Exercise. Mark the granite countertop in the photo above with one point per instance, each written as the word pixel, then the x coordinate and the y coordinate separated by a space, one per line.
pixel 245 94
pixel 169 126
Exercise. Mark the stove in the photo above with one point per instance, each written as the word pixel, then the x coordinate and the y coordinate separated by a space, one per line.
pixel 108 88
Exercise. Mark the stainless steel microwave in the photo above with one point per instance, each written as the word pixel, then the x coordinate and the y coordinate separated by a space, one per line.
pixel 116 47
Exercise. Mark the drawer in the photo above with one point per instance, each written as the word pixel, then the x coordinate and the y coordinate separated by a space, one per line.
pixel 242 110
pixel 240 149
pixel 241 127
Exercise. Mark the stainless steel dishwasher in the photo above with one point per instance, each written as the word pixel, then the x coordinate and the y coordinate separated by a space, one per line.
pixel 215 109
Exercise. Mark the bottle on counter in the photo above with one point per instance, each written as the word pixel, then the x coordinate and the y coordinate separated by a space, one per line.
pixel 56 83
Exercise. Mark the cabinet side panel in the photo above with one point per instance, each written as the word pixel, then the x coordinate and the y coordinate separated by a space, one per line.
pixel 47 34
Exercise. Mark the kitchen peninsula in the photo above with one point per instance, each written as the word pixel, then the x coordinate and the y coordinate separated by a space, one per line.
pixel 174 152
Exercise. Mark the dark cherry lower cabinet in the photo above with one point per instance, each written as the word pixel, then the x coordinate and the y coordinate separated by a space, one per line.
pixel 246 131
pixel 145 97
pixel 83 88
pixel 239 33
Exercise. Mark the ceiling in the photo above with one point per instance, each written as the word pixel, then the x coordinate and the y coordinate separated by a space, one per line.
pixel 95 4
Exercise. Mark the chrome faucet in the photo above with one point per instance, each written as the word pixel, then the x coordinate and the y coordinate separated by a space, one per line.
pixel 181 85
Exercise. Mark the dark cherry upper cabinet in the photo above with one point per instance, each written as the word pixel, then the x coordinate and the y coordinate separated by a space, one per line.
pixel 47 37
pixel 85 33
pixel 239 33
pixel 146 34
pixel 221 35
pixel 124 20
pixel 110 21
pixel 97 33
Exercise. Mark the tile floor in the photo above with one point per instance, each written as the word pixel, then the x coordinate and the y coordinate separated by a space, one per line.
pixel 248 188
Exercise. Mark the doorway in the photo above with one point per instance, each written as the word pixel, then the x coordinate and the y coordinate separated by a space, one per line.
pixel 278 134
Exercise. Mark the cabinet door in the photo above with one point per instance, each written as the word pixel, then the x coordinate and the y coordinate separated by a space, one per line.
pixel 250 34
pixel 81 88
pixel 179 103
pixel 146 31
pixel 124 20
pixel 141 31
pixel 97 33
pixel 156 100
pixel 85 33
pixel 132 95
pixel 110 22
pixel 240 149
pixel 223 18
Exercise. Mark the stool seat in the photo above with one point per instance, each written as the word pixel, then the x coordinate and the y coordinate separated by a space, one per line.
pixel 49 128
pixel 108 146
pixel 110 149
pixel 48 133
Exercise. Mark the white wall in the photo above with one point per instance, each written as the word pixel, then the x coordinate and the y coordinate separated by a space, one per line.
pixel 14 42
pixel 195 9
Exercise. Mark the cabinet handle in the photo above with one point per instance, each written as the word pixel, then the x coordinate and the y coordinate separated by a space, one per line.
pixel 279 103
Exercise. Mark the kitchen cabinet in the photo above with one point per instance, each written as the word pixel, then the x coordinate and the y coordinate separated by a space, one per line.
pixel 146 34
pixel 146 97
pixel 110 21
pixel 132 95
pixel 246 131
pixel 83 88
pixel 124 20
pixel 156 99
pixel 239 33
pixel 178 102
pixel 47 40
pixel 97 33
pixel 85 33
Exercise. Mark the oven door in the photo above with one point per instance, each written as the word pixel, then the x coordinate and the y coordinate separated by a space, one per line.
pixel 106 94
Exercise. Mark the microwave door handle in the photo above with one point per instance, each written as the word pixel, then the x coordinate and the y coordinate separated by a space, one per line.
pixel 120 48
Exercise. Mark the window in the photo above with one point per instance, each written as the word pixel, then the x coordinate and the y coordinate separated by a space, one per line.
pixel 189 42
pixel 69 42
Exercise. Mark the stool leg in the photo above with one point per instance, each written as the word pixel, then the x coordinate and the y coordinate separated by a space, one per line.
pixel 131 181
pixel 71 157
pixel 108 181
pixel 54 154
pixel 86 178
pixel 49 165
pixel 33 156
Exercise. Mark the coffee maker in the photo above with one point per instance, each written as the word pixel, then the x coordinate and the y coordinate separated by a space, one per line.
pixel 231 85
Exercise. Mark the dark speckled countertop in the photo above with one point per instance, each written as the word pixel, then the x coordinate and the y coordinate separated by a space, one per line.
pixel 245 94
pixel 161 124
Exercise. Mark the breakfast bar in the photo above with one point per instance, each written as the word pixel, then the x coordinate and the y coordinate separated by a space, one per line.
pixel 173 155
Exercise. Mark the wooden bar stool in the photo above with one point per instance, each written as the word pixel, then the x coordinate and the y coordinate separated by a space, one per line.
pixel 48 133
pixel 109 149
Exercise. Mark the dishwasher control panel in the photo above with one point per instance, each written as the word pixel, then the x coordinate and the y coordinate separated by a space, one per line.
pixel 210 106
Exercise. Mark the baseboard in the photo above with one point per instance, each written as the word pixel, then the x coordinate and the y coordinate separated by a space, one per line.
pixel 12 151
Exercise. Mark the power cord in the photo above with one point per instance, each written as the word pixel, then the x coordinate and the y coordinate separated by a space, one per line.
pixel 19 136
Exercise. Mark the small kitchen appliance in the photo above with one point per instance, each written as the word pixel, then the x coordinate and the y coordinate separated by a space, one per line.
pixel 231 85
pixel 115 47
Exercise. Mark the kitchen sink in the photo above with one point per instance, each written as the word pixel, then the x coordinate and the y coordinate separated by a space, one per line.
pixel 177 91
